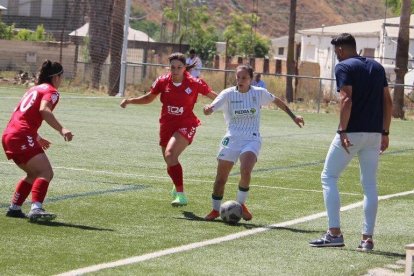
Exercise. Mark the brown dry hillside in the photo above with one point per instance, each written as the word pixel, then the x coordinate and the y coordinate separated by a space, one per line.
pixel 274 14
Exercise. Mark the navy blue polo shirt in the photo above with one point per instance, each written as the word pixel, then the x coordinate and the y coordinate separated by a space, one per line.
pixel 367 78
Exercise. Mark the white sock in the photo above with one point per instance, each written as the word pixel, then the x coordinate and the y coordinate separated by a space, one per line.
pixel 15 207
pixel 216 204
pixel 242 196
pixel 36 205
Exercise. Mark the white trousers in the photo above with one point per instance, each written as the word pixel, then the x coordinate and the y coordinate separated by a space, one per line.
pixel 367 147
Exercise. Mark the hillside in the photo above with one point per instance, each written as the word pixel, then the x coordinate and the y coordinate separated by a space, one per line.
pixel 274 14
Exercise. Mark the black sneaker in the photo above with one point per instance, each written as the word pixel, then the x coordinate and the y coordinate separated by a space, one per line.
pixel 328 240
pixel 40 215
pixel 15 213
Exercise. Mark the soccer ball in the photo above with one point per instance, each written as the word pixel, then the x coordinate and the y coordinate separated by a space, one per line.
pixel 231 211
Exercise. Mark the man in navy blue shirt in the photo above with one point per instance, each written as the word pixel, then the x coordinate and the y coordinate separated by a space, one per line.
pixel 364 123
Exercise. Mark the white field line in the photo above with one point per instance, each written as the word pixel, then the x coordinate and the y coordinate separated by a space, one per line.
pixel 191 246
pixel 187 180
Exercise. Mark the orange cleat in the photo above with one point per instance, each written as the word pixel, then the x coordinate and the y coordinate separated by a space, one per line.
pixel 212 215
pixel 246 215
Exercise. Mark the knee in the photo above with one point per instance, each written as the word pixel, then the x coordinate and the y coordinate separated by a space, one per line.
pixel 170 158
pixel 328 179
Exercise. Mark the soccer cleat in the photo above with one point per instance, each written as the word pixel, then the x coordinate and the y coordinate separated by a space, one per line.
pixel 173 192
pixel 366 245
pixel 180 200
pixel 327 240
pixel 40 215
pixel 15 213
pixel 246 215
pixel 212 215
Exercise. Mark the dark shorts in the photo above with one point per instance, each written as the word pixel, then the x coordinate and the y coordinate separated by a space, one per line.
pixel 188 131
pixel 21 147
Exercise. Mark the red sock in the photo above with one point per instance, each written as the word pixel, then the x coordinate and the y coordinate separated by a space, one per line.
pixel 39 190
pixel 176 174
pixel 23 189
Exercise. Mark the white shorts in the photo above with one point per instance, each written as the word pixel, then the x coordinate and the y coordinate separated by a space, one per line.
pixel 231 148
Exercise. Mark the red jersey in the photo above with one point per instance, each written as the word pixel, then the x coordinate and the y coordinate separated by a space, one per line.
pixel 26 117
pixel 178 101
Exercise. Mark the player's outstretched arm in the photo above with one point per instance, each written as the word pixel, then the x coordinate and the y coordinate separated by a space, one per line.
pixel 145 99
pixel 297 119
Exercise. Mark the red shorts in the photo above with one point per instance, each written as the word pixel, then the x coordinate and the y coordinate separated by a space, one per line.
pixel 188 131
pixel 20 147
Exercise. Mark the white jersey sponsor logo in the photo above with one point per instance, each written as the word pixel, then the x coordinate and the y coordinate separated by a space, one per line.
pixel 244 112
pixel 175 110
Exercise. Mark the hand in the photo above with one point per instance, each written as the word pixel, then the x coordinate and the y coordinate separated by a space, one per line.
pixel 123 103
pixel 208 109
pixel 45 144
pixel 299 121
pixel 345 142
pixel 384 143
pixel 67 134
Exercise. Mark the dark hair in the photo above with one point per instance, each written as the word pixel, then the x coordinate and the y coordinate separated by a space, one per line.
pixel 181 57
pixel 192 51
pixel 246 67
pixel 48 70
pixel 177 56
pixel 344 39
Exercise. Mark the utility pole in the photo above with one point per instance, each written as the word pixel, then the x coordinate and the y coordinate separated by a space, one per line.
pixel 291 51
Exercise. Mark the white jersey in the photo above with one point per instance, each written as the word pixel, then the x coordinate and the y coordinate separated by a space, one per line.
pixel 242 110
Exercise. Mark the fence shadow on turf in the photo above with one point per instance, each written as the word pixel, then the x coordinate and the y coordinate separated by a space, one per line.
pixel 70 225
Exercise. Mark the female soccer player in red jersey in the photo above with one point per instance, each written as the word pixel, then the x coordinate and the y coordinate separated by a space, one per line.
pixel 179 92
pixel 25 147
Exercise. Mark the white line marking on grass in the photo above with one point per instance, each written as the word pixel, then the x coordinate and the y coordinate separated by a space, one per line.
pixel 187 180
pixel 191 246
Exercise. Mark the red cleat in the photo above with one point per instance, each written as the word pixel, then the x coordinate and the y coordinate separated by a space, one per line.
pixel 246 215
pixel 212 215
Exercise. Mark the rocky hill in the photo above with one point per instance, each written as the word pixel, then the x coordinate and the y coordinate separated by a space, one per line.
pixel 274 14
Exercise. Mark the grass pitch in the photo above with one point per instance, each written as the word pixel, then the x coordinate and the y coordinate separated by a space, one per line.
pixel 111 194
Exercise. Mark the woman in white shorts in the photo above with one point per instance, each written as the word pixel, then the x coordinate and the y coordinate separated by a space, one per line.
pixel 241 105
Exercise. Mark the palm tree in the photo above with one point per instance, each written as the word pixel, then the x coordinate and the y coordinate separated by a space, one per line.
pixel 401 61
pixel 100 13
pixel 117 30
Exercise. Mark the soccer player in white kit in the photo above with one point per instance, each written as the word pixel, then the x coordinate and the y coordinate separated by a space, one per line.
pixel 241 105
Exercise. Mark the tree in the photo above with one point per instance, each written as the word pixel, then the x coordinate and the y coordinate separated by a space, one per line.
pixel 401 61
pixel 100 12
pixel 191 26
pixel 291 50
pixel 117 31
pixel 241 39
pixel 395 6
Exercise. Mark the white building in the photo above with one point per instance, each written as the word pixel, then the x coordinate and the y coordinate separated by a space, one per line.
pixel 375 38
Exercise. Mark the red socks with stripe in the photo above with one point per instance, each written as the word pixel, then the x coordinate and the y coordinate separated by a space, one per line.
pixel 176 174
pixel 23 189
